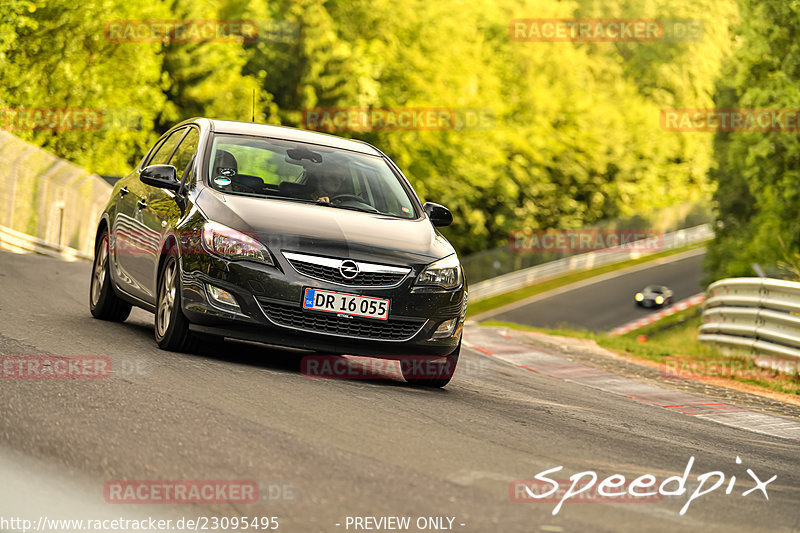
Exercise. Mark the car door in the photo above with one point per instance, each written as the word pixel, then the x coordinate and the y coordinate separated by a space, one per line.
pixel 135 238
pixel 163 211
pixel 123 233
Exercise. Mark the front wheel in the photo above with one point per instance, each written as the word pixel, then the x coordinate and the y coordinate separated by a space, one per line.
pixel 171 326
pixel 430 373
pixel 103 301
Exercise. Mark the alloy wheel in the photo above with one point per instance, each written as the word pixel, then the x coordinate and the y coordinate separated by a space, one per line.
pixel 166 300
pixel 99 274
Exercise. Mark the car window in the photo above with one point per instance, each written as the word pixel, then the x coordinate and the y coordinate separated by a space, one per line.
pixel 290 170
pixel 183 155
pixel 163 153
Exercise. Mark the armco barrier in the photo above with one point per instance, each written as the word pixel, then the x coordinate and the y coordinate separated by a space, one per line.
pixel 528 276
pixel 754 315
pixel 47 205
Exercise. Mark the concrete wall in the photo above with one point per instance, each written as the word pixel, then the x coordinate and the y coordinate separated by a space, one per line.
pixel 48 198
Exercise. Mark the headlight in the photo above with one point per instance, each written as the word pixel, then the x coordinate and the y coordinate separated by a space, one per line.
pixel 639 297
pixel 659 300
pixel 445 273
pixel 231 244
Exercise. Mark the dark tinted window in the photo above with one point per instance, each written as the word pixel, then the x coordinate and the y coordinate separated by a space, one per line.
pixel 294 171
pixel 161 156
pixel 185 152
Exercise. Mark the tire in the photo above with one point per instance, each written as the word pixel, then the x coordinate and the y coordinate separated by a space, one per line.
pixel 442 375
pixel 171 325
pixel 103 301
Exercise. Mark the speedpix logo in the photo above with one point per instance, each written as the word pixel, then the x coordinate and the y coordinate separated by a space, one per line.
pixel 616 488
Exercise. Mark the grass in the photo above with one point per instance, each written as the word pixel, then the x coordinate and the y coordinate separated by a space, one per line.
pixel 674 343
pixel 500 300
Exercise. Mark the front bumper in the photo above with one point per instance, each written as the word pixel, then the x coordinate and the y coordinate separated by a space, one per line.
pixel 270 310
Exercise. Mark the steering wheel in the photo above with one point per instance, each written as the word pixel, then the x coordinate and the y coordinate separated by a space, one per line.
pixel 348 197
pixel 353 198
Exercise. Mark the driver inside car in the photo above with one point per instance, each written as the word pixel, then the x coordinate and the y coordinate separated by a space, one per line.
pixel 325 186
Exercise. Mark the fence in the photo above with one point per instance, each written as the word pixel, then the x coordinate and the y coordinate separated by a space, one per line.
pixel 47 204
pixel 495 262
pixel 755 315
pixel 528 276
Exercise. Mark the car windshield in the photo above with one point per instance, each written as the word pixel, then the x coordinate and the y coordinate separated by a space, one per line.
pixel 288 170
pixel 654 288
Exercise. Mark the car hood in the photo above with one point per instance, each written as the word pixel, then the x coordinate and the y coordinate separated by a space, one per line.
pixel 314 229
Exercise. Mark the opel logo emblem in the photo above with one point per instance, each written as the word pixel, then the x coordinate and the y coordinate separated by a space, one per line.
pixel 348 269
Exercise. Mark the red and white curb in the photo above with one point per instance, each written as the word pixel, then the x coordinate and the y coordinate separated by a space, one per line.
pixel 510 346
pixel 671 310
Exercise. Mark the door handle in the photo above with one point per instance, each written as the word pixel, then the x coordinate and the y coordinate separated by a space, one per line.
pixel 123 191
pixel 141 204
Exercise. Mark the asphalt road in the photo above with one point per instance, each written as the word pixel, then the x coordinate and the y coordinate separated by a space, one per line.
pixel 606 304
pixel 337 448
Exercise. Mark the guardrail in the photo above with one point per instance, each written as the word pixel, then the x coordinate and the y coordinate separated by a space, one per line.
pixel 47 204
pixel 14 241
pixel 754 315
pixel 528 276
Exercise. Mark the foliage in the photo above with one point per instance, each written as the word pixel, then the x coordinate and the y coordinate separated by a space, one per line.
pixel 570 135
pixel 758 197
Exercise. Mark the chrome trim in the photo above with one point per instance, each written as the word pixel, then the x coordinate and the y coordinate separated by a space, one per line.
pixel 336 263
pixel 317 332
pixel 344 266
pixel 218 305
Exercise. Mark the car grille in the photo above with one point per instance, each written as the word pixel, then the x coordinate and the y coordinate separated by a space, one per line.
pixel 291 316
pixel 332 274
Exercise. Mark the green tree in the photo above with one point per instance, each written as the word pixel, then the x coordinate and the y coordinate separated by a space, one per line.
pixel 60 58
pixel 758 173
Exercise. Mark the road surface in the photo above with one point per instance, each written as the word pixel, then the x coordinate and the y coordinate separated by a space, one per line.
pixel 606 303
pixel 324 450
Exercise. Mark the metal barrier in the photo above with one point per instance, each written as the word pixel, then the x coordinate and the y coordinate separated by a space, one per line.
pixel 47 204
pixel 529 276
pixel 754 315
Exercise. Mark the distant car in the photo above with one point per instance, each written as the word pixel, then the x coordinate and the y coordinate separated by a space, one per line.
pixel 654 296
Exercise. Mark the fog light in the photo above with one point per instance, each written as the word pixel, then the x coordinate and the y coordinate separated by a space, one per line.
pixel 222 297
pixel 445 329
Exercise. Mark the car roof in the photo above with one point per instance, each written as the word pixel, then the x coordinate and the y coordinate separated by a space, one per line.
pixel 286 133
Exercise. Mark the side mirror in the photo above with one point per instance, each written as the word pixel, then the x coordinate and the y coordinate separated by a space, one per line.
pixel 438 214
pixel 161 176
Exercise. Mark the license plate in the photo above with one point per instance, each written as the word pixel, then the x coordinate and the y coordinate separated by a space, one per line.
pixel 346 304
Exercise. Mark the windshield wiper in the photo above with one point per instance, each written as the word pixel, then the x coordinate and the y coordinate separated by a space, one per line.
pixel 351 208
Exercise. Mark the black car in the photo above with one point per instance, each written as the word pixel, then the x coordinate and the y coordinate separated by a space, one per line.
pixel 283 236
pixel 653 296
